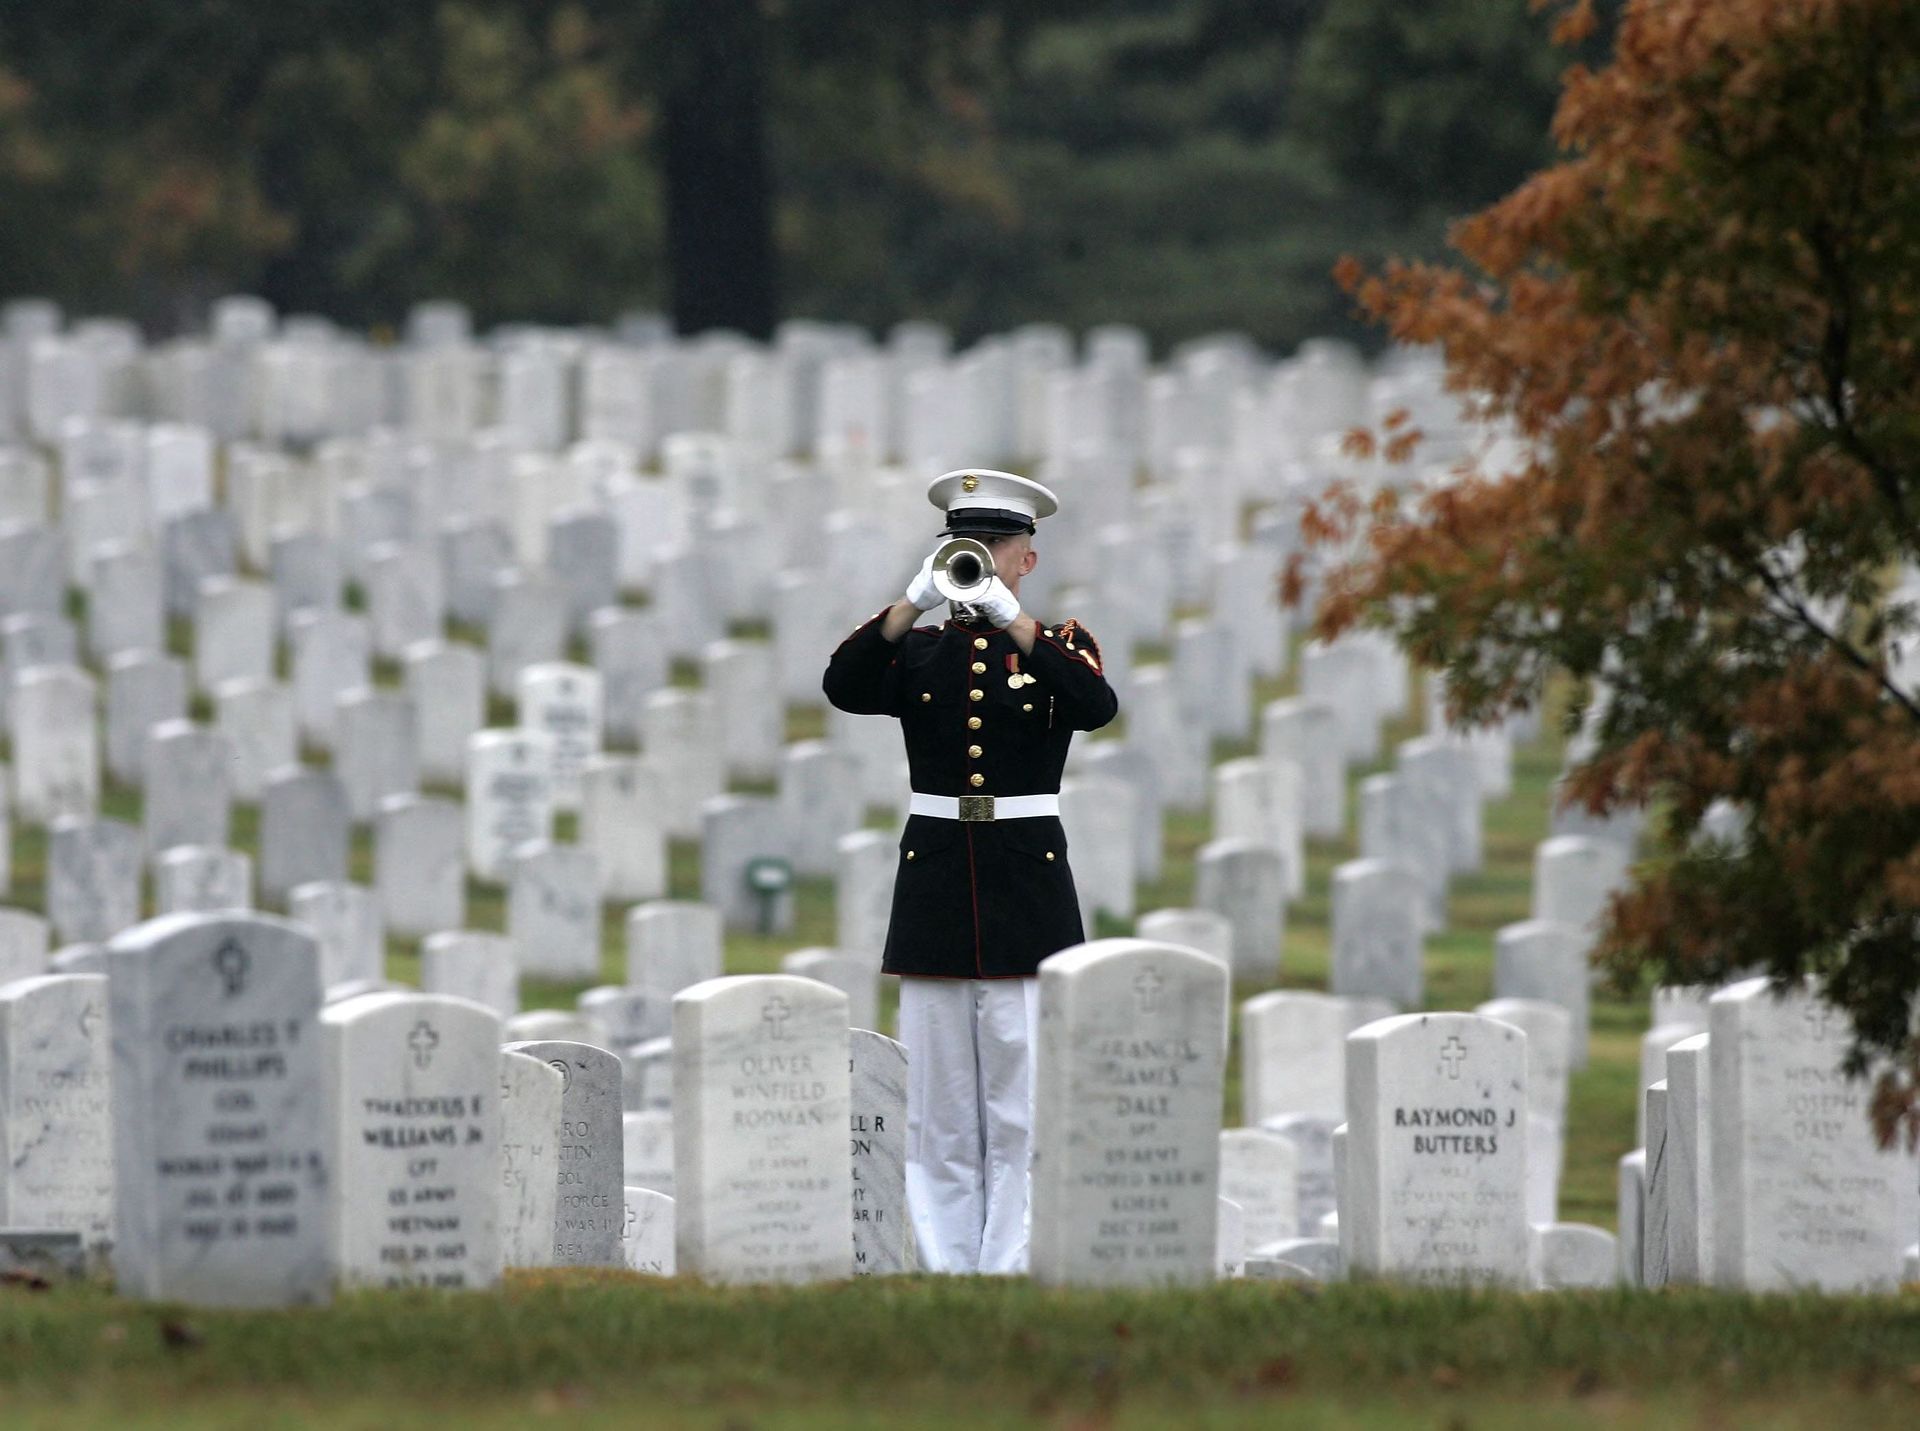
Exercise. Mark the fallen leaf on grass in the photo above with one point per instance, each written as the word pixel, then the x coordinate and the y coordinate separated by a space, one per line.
pixel 1445 1377
pixel 565 1397
pixel 1275 1374
pixel 30 1281
pixel 181 1335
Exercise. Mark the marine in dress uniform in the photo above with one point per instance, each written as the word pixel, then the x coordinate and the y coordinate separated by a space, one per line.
pixel 988 703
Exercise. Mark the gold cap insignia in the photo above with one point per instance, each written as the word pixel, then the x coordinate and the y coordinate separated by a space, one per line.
pixel 969 483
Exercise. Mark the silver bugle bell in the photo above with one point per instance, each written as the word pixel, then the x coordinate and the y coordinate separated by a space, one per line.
pixel 962 568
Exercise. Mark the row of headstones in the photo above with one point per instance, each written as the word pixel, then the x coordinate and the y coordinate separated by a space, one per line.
pixel 201 1117
pixel 385 743
pixel 821 388
pixel 213 1016
pixel 1418 826
pixel 413 587
pixel 717 537
pixel 255 1148
pixel 1743 1090
pixel 1292 1041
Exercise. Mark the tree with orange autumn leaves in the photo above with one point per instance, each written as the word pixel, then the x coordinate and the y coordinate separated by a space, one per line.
pixel 1702 327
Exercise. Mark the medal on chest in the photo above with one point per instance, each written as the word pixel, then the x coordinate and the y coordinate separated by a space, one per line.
pixel 1016 678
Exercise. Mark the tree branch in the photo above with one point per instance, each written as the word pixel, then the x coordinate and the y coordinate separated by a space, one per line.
pixel 1844 648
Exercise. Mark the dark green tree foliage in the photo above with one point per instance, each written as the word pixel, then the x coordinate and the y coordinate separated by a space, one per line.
pixel 1185 164
pixel 342 156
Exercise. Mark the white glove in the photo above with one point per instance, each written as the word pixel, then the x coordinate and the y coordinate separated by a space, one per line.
pixel 997 604
pixel 920 590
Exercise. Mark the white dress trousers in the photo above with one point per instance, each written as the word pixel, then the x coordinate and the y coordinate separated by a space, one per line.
pixel 970 1049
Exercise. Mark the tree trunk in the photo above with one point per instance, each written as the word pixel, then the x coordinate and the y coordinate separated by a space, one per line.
pixel 719 195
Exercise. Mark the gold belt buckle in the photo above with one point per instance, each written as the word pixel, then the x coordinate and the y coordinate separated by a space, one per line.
pixel 976 807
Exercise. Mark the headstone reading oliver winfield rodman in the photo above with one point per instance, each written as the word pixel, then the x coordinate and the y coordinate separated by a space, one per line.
pixel 762 1177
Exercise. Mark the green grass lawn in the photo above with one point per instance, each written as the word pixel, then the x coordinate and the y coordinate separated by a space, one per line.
pixel 604 1349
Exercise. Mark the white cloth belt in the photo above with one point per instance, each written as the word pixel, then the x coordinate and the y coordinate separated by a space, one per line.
pixel 983 807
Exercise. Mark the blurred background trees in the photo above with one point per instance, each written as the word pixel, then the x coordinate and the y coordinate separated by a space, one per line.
pixel 1185 164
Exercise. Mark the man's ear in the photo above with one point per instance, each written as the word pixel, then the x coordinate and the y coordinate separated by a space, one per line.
pixel 1030 561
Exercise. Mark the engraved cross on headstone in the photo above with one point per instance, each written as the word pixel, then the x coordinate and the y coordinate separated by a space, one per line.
pixel 1146 988
pixel 423 1041
pixel 1452 1054
pixel 231 962
pixel 1819 1017
pixel 775 1015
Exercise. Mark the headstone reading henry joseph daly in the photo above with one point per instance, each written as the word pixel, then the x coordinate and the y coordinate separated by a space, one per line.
pixel 1127 1090
pixel 218 1111
pixel 1436 1150
pixel 761 1104
pixel 415 1125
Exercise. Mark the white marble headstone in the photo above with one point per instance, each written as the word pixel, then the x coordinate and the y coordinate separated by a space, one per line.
pixel 529 1164
pixel 647 1235
pixel 419 864
pixel 1246 884
pixel 219 1112
pixel 1546 960
pixel 1803 1194
pixel 1436 1150
pixel 472 965
pixel 553 910
pixel 1128 1077
pixel 56 1110
pixel 1689 1162
pixel 590 1206
pixel 509 797
pixel 567 703
pixel 414 1127
pixel 648 1135
pixel 620 822
pixel 673 945
pixel 1377 947
pixel 761 1105
pixel 93 878
pixel 1259 1173
pixel 882 1230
